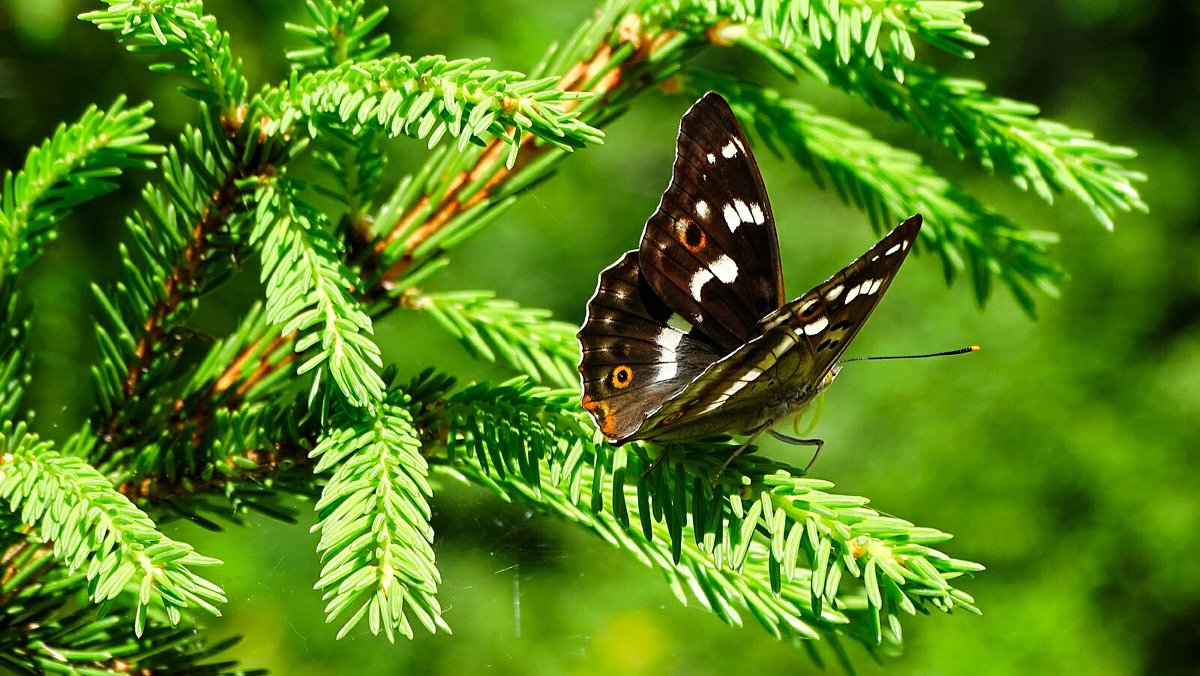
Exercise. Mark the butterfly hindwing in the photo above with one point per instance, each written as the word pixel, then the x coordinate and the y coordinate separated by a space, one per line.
pixel 710 249
pixel 634 357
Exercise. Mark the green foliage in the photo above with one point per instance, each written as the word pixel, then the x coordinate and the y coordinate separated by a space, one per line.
pixel 165 268
pixel 166 28
pixel 1005 135
pixel 428 98
pixel 308 291
pixel 494 329
pixel 376 542
pixel 780 555
pixel 75 165
pixel 89 525
pixel 14 364
pixel 339 33
pixel 296 400
pixel 47 626
pixel 879 32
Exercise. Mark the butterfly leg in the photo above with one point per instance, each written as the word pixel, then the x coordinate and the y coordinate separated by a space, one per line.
pixel 657 461
pixel 819 443
pixel 740 449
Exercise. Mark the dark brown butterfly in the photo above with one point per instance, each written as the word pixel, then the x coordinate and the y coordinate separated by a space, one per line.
pixel 689 335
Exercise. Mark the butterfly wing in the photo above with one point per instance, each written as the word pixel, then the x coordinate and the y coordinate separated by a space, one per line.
pixel 634 359
pixel 793 358
pixel 710 249
pixel 827 318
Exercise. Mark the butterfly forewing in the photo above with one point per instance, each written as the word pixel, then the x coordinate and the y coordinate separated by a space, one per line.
pixel 634 359
pixel 710 249
pixel 828 317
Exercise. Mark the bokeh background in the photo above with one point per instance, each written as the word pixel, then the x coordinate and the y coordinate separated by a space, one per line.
pixel 1063 456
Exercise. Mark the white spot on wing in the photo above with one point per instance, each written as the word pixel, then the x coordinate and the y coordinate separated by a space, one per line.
pixel 712 159
pixel 834 292
pixel 743 211
pixel 894 249
pixel 725 269
pixel 666 371
pixel 734 388
pixel 702 209
pixel 729 149
pixel 851 295
pixel 869 287
pixel 757 212
pixel 698 281
pixel 773 320
pixel 904 244
pixel 737 386
pixel 816 327
pixel 731 217
pixel 668 338
pixel 780 348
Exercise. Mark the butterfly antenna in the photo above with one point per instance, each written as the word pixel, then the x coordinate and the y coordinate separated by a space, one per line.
pixel 947 353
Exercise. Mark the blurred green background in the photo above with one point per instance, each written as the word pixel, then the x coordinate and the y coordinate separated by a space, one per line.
pixel 1063 456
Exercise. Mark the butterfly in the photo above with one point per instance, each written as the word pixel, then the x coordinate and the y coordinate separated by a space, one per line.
pixel 689 335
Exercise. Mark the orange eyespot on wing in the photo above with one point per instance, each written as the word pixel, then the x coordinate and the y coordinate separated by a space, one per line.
pixel 691 235
pixel 811 310
pixel 621 377
pixel 671 419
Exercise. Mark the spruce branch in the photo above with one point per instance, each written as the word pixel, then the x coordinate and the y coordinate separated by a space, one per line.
pixel 339 33
pixel 1005 135
pixel 882 32
pixel 493 329
pixel 14 354
pixel 44 628
pixel 308 291
pixel 232 450
pixel 887 183
pixel 376 542
pixel 522 443
pixel 75 165
pixel 427 98
pixel 91 526
pixel 355 164
pixel 170 261
pixel 612 57
pixel 185 40
pixel 516 427
pixel 456 217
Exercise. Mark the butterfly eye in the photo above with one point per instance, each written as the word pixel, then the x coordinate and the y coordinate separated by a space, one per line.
pixel 692 236
pixel 622 376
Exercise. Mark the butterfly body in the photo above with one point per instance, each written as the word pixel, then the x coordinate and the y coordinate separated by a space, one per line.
pixel 689 335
